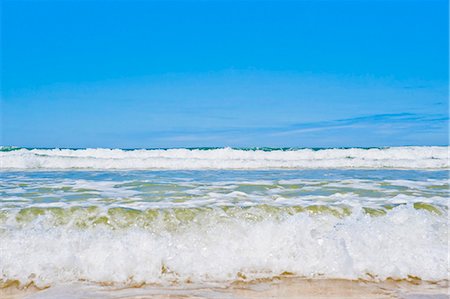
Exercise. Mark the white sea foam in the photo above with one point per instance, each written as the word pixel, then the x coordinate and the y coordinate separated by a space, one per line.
pixel 226 158
pixel 214 226
pixel 404 242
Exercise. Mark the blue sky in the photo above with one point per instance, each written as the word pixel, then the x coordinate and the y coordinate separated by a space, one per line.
pixel 224 73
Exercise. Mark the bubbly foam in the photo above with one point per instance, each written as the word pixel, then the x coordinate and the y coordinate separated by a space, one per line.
pixel 413 157
pixel 402 243
pixel 134 227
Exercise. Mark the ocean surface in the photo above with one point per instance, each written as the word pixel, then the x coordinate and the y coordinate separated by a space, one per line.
pixel 133 217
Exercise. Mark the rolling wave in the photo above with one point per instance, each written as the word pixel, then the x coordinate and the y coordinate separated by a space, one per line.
pixel 218 245
pixel 412 157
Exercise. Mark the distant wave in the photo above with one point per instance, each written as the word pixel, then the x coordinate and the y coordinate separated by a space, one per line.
pixel 411 157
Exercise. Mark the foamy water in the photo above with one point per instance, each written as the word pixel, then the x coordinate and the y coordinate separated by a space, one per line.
pixel 132 227
pixel 226 158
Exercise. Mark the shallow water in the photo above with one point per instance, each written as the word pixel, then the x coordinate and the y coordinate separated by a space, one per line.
pixel 279 287
pixel 140 227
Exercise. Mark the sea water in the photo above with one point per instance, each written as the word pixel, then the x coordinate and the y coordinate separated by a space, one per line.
pixel 132 217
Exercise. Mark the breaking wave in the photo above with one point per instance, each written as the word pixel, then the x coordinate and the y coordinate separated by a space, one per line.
pixel 412 157
pixel 131 247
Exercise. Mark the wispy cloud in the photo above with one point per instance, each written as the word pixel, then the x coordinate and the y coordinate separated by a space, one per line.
pixel 368 130
pixel 393 121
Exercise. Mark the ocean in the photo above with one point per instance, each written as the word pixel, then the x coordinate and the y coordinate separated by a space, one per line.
pixel 138 217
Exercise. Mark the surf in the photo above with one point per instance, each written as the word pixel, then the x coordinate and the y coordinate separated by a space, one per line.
pixel 413 157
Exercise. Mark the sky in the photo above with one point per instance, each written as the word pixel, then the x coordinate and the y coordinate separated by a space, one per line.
pixel 151 74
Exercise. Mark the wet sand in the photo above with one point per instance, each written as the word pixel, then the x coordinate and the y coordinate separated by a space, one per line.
pixel 276 288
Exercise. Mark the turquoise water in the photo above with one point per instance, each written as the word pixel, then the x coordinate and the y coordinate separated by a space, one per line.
pixel 155 189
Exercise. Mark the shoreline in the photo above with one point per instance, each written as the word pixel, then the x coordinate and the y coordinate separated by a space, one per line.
pixel 281 287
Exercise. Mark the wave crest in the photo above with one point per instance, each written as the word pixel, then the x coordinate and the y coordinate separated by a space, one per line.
pixel 227 158
pixel 402 243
